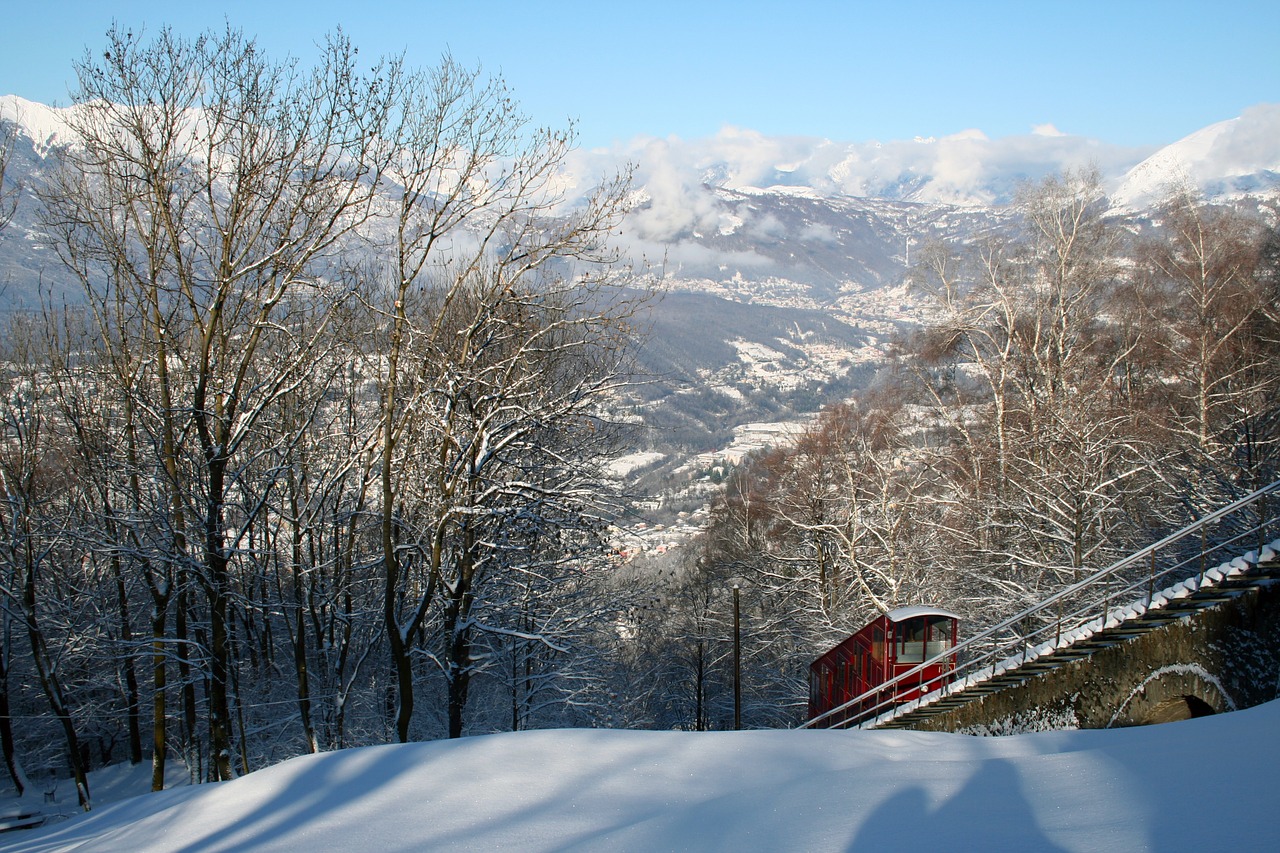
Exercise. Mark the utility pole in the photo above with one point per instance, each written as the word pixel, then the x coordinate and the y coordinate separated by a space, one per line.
pixel 737 663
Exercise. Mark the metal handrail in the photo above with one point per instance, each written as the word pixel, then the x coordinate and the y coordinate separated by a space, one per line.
pixel 986 654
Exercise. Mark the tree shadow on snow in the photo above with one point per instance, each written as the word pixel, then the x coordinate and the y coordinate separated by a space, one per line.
pixel 991 812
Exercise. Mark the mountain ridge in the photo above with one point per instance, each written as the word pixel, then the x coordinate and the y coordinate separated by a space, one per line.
pixel 788 224
pixel 963 169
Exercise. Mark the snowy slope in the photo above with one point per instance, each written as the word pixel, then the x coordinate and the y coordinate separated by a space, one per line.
pixel 46 127
pixel 1205 784
pixel 1230 158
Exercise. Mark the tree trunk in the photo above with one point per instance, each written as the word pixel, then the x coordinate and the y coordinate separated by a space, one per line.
pixel 133 714
pixel 51 685
pixel 182 645
pixel 6 731
pixel 159 675
pixel 459 676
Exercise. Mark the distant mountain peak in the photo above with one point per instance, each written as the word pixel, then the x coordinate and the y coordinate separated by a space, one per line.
pixel 1231 158
pixel 45 126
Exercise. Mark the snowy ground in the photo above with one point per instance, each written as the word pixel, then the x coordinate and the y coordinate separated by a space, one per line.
pixel 1199 785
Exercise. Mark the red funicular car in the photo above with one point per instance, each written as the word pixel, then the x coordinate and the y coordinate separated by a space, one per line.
pixel 892 644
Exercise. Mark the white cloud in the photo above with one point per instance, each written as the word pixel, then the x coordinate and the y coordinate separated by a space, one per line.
pixel 970 134
pixel 677 176
pixel 1046 130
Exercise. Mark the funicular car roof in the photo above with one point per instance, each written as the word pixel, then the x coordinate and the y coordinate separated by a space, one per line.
pixel 914 610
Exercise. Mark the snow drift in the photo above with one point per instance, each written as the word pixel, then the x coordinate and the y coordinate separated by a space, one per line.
pixel 1196 785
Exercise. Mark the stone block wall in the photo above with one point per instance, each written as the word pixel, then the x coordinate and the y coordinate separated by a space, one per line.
pixel 1220 659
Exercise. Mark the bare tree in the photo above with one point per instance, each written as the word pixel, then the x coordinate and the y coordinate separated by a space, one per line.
pixel 213 186
pixel 8 205
pixel 353 349
pixel 1024 341
pixel 497 357
pixel 1201 265
pixel 37 499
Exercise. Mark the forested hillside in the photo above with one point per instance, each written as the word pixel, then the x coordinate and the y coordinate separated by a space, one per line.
pixel 1081 388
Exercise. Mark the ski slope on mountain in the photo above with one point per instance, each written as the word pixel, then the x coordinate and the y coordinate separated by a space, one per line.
pixel 1204 784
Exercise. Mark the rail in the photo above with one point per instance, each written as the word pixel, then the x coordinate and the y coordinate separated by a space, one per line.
pixel 1076 611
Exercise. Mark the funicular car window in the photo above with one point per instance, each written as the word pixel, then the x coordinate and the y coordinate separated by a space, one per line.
pixel 911 640
pixel 939 636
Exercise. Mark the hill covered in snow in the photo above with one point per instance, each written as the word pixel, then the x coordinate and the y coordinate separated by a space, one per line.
pixel 1198 785
pixel 1236 158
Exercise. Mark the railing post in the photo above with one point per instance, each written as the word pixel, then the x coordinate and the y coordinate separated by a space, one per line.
pixel 1057 634
pixel 1151 579
pixel 1262 524
pixel 1204 554
pixel 1106 602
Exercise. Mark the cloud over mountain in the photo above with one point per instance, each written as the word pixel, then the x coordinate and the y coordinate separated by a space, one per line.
pixel 965 169
pixel 743 203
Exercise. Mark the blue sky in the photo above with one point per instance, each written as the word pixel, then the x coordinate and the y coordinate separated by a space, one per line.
pixel 1126 72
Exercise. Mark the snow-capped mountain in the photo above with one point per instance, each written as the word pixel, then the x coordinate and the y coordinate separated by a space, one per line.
pixel 783 258
pixel 742 212
pixel 44 127
pixel 967 169
pixel 1233 158
pixel 827 214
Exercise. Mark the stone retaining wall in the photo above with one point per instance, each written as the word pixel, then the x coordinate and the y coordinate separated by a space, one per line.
pixel 1220 659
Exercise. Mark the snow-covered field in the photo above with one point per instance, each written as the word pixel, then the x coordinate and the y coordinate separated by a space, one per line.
pixel 1200 785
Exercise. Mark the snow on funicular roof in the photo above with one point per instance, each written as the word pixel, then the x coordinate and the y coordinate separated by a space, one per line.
pixel 918 610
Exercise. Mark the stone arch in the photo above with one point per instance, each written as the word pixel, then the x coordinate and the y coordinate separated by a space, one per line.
pixel 1171 693
pixel 1177 708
